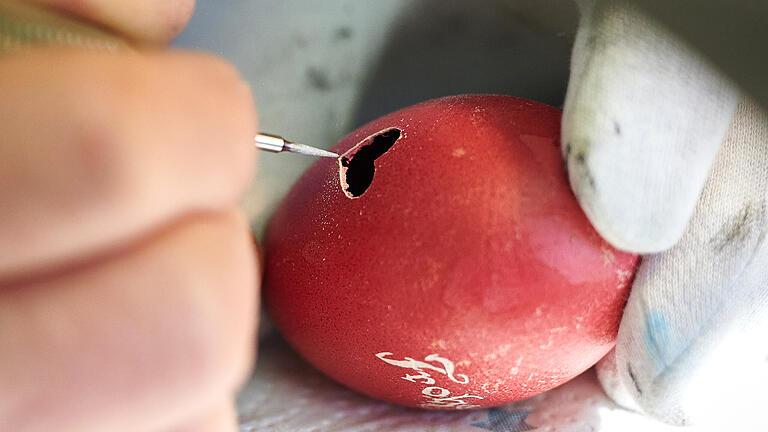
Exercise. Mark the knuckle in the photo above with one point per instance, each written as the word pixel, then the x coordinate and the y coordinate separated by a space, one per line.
pixel 99 157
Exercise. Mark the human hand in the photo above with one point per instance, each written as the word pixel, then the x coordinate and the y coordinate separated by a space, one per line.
pixel 127 277
pixel 655 136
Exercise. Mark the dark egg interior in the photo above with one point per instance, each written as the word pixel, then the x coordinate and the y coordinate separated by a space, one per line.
pixel 357 165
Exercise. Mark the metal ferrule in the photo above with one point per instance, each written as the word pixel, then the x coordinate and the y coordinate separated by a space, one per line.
pixel 270 143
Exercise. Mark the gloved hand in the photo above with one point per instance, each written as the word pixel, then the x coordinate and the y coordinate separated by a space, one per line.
pixel 127 275
pixel 667 158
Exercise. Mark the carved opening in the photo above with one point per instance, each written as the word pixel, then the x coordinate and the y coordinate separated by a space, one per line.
pixel 356 166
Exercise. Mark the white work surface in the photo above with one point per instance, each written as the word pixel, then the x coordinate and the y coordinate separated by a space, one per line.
pixel 318 70
pixel 288 395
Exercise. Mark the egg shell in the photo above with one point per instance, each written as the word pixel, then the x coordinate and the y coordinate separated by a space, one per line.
pixel 464 276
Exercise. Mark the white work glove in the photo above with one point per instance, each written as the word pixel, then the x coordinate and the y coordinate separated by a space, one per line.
pixel 668 159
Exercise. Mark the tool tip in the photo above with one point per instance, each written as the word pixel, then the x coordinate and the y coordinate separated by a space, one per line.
pixel 309 151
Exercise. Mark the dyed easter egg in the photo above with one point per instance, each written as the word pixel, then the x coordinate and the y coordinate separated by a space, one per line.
pixel 442 261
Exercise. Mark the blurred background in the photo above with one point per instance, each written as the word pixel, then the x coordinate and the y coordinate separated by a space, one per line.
pixel 320 69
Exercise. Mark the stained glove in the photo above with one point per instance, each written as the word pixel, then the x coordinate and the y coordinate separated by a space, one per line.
pixel 668 158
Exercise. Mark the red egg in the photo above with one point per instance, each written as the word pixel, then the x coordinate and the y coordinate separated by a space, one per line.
pixel 443 261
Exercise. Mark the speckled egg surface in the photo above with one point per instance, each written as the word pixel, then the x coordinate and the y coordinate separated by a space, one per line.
pixel 442 261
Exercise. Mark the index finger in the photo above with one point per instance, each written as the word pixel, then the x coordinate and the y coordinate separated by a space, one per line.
pixel 97 149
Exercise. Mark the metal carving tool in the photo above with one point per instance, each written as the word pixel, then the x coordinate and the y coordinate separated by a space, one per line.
pixel 277 144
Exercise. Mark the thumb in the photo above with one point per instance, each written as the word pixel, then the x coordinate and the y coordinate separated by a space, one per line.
pixel 643 119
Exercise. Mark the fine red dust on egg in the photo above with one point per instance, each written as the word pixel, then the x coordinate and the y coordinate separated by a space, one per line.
pixel 443 261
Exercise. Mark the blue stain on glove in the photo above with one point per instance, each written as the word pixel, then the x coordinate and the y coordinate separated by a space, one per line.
pixel 658 342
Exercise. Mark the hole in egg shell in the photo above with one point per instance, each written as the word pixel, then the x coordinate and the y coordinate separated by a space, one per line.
pixel 356 166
